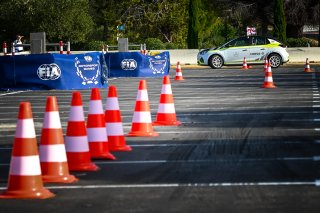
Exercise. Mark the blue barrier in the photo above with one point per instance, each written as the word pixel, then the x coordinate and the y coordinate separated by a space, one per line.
pixel 77 71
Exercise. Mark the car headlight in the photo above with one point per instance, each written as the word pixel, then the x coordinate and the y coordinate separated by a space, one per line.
pixel 202 52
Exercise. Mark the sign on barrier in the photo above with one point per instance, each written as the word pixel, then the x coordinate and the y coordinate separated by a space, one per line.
pixel 135 64
pixel 52 71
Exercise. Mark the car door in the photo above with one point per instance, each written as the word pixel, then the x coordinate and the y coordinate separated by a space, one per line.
pixel 257 50
pixel 236 50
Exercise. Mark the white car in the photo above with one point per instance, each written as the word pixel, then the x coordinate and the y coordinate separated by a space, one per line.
pixel 254 48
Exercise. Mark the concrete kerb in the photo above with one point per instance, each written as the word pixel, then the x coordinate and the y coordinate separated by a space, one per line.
pixel 297 55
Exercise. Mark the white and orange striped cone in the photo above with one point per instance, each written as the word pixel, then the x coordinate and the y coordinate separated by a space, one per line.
pixel 265 66
pixel 307 66
pixel 96 127
pixel 117 141
pixel 244 65
pixel 179 76
pixel 76 140
pixel 25 181
pixel 166 115
pixel 268 80
pixel 53 158
pixel 141 121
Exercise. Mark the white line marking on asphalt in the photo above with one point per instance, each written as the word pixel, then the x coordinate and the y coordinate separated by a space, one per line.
pixel 315 158
pixel 11 93
pixel 175 185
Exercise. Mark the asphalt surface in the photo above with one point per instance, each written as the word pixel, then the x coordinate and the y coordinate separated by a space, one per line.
pixel 240 148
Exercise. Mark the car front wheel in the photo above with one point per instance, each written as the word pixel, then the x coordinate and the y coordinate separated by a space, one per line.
pixel 215 62
pixel 275 60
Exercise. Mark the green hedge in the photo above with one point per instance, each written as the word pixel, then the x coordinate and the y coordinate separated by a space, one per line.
pixel 302 42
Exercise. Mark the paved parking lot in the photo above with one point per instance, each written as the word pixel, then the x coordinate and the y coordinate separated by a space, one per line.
pixel 240 148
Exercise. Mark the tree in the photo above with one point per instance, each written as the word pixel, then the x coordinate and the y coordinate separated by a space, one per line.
pixel 193 25
pixel 60 19
pixel 279 21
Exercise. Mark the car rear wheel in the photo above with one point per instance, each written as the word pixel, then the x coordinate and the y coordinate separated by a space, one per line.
pixel 275 60
pixel 215 62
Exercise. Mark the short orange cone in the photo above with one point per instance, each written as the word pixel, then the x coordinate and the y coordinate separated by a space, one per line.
pixel 141 121
pixel 96 127
pixel 265 66
pixel 244 65
pixel 166 115
pixel 25 181
pixel 114 126
pixel 268 80
pixel 53 158
pixel 178 73
pixel 307 66
pixel 76 140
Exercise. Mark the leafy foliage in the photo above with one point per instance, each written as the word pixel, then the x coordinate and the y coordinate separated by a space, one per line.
pixel 279 21
pixel 211 22
pixel 60 19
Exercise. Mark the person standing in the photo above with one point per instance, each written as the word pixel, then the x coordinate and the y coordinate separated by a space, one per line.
pixel 17 42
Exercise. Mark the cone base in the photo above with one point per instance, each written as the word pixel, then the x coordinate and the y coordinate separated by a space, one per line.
pixel 142 134
pixel 59 179
pixel 308 71
pixel 84 167
pixel 166 123
pixel 106 156
pixel 39 194
pixel 121 148
pixel 269 86
pixel 118 143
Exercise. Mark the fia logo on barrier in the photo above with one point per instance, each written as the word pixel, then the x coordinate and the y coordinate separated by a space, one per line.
pixel 128 64
pixel 88 69
pixel 158 63
pixel 49 72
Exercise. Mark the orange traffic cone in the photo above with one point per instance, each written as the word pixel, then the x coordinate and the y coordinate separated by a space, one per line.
pixel 265 66
pixel 268 80
pixel 307 66
pixel 96 127
pixel 166 115
pixel 25 179
pixel 114 126
pixel 76 140
pixel 141 121
pixel 178 73
pixel 53 158
pixel 244 65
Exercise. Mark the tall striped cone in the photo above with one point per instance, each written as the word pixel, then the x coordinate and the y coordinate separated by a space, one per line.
pixel 265 66
pixel 268 80
pixel 244 65
pixel 307 66
pixel 96 127
pixel 53 158
pixel 178 73
pixel 141 121
pixel 114 126
pixel 76 140
pixel 25 179
pixel 166 115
